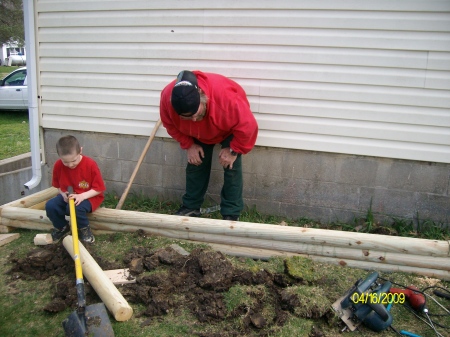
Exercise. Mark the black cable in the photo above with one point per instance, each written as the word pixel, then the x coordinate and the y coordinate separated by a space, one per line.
pixel 425 295
pixel 438 315
pixel 406 287
pixel 395 330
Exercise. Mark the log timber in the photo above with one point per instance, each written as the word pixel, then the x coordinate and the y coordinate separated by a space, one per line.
pixel 360 250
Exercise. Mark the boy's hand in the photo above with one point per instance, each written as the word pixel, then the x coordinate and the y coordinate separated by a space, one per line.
pixel 65 196
pixel 78 198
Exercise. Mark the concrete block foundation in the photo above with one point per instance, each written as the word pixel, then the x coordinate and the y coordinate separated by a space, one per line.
pixel 325 187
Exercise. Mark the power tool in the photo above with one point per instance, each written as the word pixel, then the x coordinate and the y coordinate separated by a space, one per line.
pixel 362 304
pixel 416 299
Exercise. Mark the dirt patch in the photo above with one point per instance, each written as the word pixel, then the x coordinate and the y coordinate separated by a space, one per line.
pixel 53 261
pixel 203 283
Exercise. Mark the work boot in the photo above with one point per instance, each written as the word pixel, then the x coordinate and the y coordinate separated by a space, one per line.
pixel 58 234
pixel 86 235
pixel 184 211
pixel 231 217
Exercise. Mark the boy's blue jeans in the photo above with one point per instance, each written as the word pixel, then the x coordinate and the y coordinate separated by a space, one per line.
pixel 57 209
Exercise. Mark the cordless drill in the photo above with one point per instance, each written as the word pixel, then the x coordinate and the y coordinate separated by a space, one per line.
pixel 415 298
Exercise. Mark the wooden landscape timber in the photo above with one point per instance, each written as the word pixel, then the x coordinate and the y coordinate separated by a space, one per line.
pixel 359 250
pixel 32 200
pixel 7 238
pixel 105 289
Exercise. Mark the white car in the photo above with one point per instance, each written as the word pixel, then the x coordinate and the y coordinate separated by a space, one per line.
pixel 14 91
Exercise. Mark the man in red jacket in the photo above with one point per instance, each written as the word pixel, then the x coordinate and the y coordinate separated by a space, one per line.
pixel 200 110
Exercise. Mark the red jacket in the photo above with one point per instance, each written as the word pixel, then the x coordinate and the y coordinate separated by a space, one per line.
pixel 84 177
pixel 228 112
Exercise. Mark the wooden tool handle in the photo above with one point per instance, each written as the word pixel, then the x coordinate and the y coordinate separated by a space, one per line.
pixel 136 169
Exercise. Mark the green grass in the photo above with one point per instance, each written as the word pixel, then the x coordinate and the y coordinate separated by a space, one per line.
pixel 14 128
pixel 14 133
pixel 6 70
pixel 22 301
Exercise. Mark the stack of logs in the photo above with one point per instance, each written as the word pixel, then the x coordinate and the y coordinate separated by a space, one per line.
pixel 260 241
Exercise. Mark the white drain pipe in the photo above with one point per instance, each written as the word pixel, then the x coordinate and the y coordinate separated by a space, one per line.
pixel 33 112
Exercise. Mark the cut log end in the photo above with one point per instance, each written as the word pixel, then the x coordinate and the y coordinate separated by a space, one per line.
pixel 43 239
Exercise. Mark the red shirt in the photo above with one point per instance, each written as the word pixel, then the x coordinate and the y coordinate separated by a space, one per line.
pixel 84 177
pixel 228 112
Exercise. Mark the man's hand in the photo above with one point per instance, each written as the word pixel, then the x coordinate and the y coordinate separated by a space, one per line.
pixel 226 159
pixel 195 154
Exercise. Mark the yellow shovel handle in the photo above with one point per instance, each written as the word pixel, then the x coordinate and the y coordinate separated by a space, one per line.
pixel 76 248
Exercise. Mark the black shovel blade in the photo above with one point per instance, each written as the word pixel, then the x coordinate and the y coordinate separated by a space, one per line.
pixel 97 323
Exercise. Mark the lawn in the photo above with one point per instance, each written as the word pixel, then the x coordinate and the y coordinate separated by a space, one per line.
pixel 14 133
pixel 301 307
pixel 14 128
pixel 4 70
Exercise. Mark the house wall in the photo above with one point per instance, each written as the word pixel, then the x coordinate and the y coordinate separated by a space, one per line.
pixel 357 77
pixel 293 183
pixel 352 97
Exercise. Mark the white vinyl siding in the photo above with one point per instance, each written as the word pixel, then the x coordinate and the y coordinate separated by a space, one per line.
pixel 357 77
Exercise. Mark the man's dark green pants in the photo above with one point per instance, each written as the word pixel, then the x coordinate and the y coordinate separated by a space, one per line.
pixel 197 179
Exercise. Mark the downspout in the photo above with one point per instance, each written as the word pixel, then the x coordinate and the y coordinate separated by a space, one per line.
pixel 33 112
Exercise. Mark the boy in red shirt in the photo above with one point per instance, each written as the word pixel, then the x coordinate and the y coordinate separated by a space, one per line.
pixel 200 110
pixel 83 175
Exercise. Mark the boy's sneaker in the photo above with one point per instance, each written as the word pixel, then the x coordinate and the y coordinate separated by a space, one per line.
pixel 58 234
pixel 86 235
pixel 184 211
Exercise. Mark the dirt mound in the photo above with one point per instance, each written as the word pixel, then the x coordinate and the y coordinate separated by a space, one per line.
pixel 204 283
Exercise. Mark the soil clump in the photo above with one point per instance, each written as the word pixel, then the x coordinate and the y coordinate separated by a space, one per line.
pixel 168 282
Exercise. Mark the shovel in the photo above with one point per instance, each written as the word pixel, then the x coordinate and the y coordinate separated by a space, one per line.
pixel 92 320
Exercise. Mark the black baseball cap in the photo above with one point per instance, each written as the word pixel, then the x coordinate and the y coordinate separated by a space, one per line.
pixel 185 96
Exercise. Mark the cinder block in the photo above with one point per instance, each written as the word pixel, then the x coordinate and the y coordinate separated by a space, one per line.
pixel 99 145
pixel 249 185
pixel 111 169
pixel 359 171
pixel 148 174
pixel 323 215
pixel 308 165
pixel 266 206
pixel 393 203
pixel 331 195
pixel 274 188
pixel 174 177
pixel 431 206
pixel 419 177
pixel 216 181
pixel 172 194
pixel 154 154
pixel 247 162
pixel 267 162
pixel 115 187
pixel 149 191
pixel 172 154
pixel 130 148
pixel 51 138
